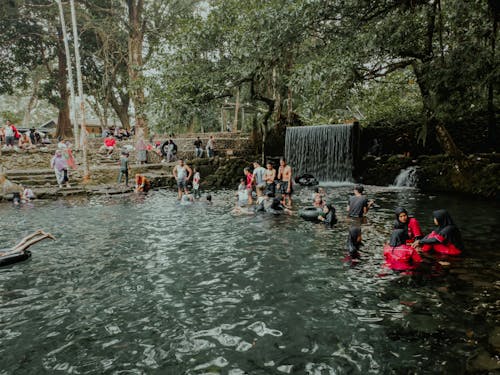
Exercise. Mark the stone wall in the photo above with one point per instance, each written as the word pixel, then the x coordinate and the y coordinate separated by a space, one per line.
pixel 478 174
pixel 226 144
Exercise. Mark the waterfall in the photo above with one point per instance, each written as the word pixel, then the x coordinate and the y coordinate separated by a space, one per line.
pixel 406 178
pixel 324 151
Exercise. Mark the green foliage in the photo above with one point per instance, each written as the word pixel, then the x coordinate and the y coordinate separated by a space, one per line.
pixel 320 61
pixel 14 117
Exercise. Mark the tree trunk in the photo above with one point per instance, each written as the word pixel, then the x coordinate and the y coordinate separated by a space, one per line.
pixel 443 136
pixel 70 74
pixel 236 110
pixel 135 64
pixel 83 129
pixel 63 129
pixel 121 109
pixel 492 123
pixel 33 100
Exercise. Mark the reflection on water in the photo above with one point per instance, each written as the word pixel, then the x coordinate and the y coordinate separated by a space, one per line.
pixel 144 285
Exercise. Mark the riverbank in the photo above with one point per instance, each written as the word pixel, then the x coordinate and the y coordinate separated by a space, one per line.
pixel 217 172
pixel 477 174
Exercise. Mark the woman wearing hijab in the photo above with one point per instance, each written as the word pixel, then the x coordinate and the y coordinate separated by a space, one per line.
pixel 328 216
pixel 354 242
pixel 446 238
pixel 409 223
pixel 398 255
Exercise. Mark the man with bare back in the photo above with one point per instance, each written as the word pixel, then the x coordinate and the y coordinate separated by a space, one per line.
pixel 285 176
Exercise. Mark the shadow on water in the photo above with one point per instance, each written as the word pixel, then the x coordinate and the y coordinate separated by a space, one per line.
pixel 145 285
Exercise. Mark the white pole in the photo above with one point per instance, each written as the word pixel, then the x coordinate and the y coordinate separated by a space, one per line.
pixel 70 75
pixel 83 142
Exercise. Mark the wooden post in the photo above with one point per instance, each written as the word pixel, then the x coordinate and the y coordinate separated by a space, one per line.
pixel 236 108
pixel 242 118
pixel 70 75
pixel 83 135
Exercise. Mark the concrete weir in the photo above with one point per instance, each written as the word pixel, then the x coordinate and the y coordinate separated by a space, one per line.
pixel 328 152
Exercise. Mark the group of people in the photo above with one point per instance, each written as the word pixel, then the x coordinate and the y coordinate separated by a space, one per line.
pixel 265 183
pixel 209 148
pixel 402 252
pixel 12 138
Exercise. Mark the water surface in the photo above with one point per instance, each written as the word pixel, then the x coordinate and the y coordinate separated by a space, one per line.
pixel 142 285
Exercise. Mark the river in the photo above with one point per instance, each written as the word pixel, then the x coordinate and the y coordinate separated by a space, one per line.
pixel 142 285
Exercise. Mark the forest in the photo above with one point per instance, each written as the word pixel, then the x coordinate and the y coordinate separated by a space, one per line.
pixel 430 66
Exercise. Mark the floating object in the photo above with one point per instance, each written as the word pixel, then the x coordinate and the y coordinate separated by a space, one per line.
pixel 12 258
pixel 310 213
pixel 306 180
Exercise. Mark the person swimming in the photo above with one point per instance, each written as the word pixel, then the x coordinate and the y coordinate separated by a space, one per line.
pixel 446 238
pixel 328 217
pixel 409 223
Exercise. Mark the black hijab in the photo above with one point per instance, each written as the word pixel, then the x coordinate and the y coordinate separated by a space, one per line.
pixel 447 228
pixel 398 237
pixel 397 223
pixel 330 217
pixel 352 241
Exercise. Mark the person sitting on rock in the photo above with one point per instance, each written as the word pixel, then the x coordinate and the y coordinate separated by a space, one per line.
pixel 25 141
pixel 142 184
pixel 108 146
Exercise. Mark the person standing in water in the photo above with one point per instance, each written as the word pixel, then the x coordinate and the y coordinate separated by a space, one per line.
pixel 358 205
pixel 285 176
pixel 269 178
pixel 182 173
pixel 258 174
pixel 196 184
pixel 354 242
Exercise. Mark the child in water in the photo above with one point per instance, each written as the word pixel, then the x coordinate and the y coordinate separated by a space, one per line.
pixel 196 184
pixel 123 167
pixel 242 193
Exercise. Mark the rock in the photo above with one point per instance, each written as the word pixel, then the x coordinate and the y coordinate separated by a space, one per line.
pixel 482 361
pixel 494 339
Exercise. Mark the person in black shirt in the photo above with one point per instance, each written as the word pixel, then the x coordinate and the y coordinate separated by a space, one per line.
pixel 198 151
pixel 358 205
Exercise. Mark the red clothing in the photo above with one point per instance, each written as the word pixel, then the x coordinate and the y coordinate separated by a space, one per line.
pixel 402 257
pixel 109 142
pixel 249 181
pixel 444 247
pixel 413 229
pixel 16 132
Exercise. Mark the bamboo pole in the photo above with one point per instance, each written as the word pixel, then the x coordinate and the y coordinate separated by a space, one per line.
pixel 70 74
pixel 83 139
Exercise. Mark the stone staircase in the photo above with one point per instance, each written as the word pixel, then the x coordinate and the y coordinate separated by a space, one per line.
pixel 33 178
